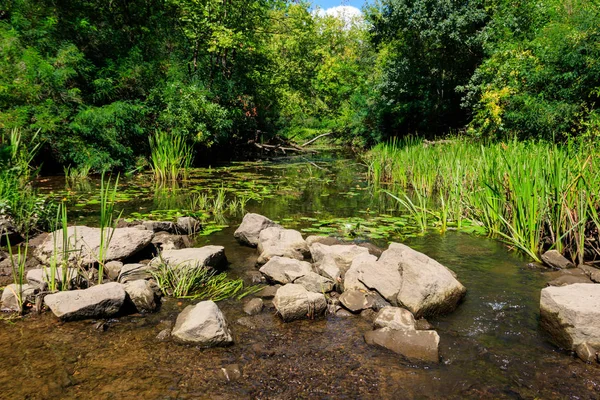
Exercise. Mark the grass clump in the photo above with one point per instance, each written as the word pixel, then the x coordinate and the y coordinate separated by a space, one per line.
pixel 189 282
pixel 533 195
pixel 170 156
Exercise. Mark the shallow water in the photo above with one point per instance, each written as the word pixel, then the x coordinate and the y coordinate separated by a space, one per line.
pixel 491 346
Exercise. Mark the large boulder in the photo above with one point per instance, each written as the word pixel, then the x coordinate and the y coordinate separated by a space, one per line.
pixel 202 324
pixel 279 269
pixel 251 227
pixel 102 301
pixel 281 242
pixel 142 295
pixel 426 286
pixel 412 344
pixel 343 255
pixel 207 256
pixel 84 244
pixel 571 315
pixel 294 302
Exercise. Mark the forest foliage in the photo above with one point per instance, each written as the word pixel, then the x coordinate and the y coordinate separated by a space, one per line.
pixel 93 80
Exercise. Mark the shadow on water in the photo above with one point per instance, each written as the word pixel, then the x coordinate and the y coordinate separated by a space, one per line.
pixel 491 346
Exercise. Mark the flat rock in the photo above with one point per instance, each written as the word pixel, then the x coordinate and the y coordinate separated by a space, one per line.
pixel 357 300
pixel 427 287
pixel 315 283
pixel 384 278
pixel 554 259
pixel 281 242
pixel 207 256
pixel 343 255
pixel 412 344
pixel 84 244
pixel 251 227
pixel 571 315
pixel 160 226
pixel 39 277
pixel 253 306
pixel 134 272
pixel 294 302
pixel 142 295
pixel 394 318
pixel 278 269
pixel 202 324
pixel 102 301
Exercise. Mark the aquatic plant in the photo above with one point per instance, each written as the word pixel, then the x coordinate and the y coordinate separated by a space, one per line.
pixel 18 271
pixel 78 173
pixel 528 194
pixel 170 156
pixel 191 282
pixel 108 194
pixel 59 261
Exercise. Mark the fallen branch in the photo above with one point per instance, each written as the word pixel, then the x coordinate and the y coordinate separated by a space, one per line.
pixel 315 139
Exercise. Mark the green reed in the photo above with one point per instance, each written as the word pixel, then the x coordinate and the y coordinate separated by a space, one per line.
pixel 528 193
pixel 170 156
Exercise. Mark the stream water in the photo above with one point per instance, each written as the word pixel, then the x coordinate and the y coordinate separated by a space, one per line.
pixel 491 347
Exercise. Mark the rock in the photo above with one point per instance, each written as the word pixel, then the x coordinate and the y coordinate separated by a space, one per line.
pixel 592 272
pixel 102 301
pixel 281 242
pixel 84 244
pixel 112 269
pixel 384 278
pixel 253 307
pixel 160 226
pixel 571 315
pixel 40 277
pixel 352 277
pixel 427 287
pixel 9 232
pixel 342 254
pixel 142 295
pixel 134 272
pixel 277 269
pixel 423 325
pixel 554 259
pixel 373 250
pixel 188 225
pixel 10 301
pixel 203 324
pixel 295 302
pixel 587 353
pixel 247 322
pixel 315 283
pixel 357 300
pixel 251 227
pixel 569 277
pixel 412 344
pixel 268 292
pixel 231 372
pixel 326 240
pixel 165 241
pixel 255 277
pixel 368 314
pixel 394 318
pixel 207 256
pixel 329 269
pixel 343 313
pixel 164 335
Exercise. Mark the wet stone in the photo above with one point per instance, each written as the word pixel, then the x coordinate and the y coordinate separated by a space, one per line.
pixel 412 344
pixel 253 306
pixel 357 300
pixel 231 372
pixel 268 292
pixel 554 259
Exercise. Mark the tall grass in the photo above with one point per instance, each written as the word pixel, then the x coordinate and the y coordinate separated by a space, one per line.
pixel 18 271
pixel 57 274
pixel 533 195
pixel 170 156
pixel 108 193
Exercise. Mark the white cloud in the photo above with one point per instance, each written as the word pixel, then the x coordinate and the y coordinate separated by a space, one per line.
pixel 348 14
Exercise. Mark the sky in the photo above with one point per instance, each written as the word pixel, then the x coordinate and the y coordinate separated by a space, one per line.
pixel 335 7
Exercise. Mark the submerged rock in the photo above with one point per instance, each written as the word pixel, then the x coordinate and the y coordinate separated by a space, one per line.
pixel 251 227
pixel 571 315
pixel 278 269
pixel 203 324
pixel 102 301
pixel 253 306
pixel 281 242
pixel 84 244
pixel 412 344
pixel 295 302
pixel 565 277
pixel 554 259
pixel 592 272
pixel 142 295
pixel 207 256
